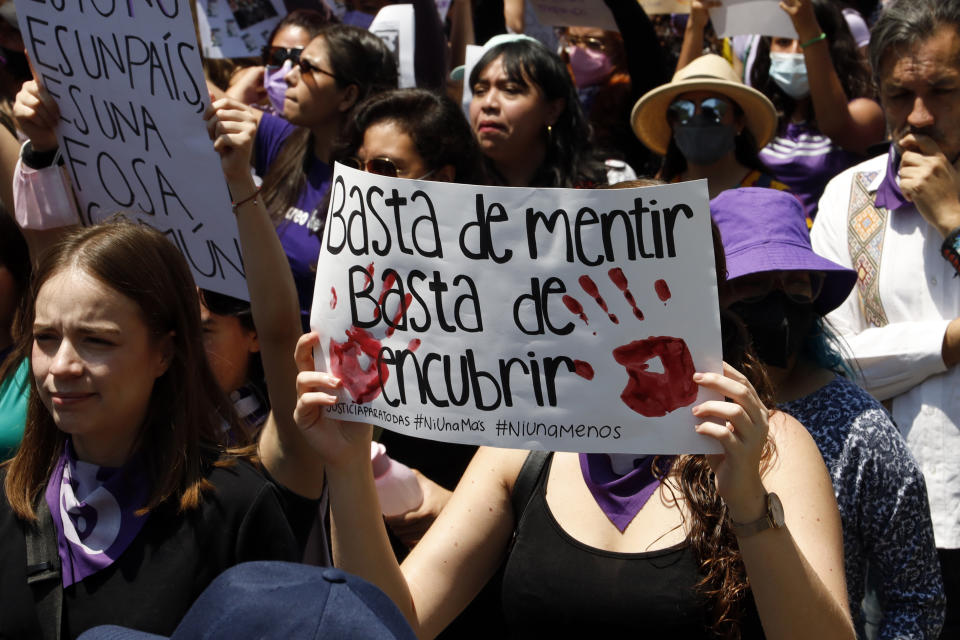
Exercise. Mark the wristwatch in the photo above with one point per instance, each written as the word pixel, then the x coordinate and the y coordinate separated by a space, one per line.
pixel 772 519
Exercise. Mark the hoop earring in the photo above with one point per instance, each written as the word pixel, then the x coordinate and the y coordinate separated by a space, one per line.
pixel 549 133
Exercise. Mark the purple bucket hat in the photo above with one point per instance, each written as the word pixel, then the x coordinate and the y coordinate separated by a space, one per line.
pixel 766 230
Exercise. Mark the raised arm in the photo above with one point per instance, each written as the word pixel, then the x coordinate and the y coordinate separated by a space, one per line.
pixel 796 572
pixel 273 301
pixel 645 60
pixel 692 46
pixel 458 554
pixel 855 124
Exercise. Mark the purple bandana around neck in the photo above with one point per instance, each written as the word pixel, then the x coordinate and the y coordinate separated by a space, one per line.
pixel 889 195
pixel 93 513
pixel 621 496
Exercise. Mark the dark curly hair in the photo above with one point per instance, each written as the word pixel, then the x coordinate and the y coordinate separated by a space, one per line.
pixel 847 60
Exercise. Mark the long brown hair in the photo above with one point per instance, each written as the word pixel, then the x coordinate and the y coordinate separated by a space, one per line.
pixel 186 410
pixel 358 58
pixel 724 579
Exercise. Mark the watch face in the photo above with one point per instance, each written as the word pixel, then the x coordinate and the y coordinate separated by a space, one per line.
pixel 775 509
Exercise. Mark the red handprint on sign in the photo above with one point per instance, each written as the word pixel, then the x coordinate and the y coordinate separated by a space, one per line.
pixel 364 383
pixel 650 394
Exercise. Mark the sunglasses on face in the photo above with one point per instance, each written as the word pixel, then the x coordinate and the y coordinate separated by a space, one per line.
pixel 801 287
pixel 276 56
pixel 308 68
pixel 585 42
pixel 681 111
pixel 381 166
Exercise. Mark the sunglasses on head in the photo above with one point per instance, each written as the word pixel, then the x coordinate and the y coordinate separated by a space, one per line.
pixel 682 111
pixel 276 56
pixel 381 166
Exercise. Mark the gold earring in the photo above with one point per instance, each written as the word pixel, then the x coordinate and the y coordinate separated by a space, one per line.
pixel 549 132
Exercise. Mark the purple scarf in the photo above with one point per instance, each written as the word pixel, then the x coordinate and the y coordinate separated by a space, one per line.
pixel 93 512
pixel 889 195
pixel 621 496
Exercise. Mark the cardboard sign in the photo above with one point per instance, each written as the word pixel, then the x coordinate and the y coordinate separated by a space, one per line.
pixel 237 28
pixel 744 17
pixel 394 24
pixel 574 13
pixel 556 319
pixel 131 91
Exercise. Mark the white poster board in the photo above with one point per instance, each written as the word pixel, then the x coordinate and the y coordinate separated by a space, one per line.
pixel 574 13
pixel 394 24
pixel 559 319
pixel 131 91
pixel 653 7
pixel 237 28
pixel 745 17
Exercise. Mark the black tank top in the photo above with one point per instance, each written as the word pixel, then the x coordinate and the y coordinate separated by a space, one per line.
pixel 555 586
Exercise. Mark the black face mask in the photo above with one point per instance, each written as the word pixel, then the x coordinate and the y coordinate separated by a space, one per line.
pixel 703 141
pixel 777 326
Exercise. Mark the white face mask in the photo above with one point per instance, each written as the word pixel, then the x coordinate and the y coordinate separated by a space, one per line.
pixel 789 71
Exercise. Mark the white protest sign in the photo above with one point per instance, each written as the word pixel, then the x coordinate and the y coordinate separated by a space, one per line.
pixel 131 91
pixel 574 13
pixel 237 28
pixel 555 319
pixel 745 17
pixel 653 7
pixel 394 24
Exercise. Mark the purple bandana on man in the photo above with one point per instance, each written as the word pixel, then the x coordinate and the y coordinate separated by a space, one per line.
pixel 889 195
pixel 93 510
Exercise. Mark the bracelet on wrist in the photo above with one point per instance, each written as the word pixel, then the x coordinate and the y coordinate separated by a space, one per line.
pixel 950 249
pixel 819 38
pixel 235 205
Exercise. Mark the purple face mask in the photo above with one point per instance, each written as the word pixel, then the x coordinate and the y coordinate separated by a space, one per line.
pixel 589 67
pixel 276 86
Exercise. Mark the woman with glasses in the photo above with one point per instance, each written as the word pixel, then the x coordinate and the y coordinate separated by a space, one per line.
pixel 263 85
pixel 337 70
pixel 782 290
pixel 708 124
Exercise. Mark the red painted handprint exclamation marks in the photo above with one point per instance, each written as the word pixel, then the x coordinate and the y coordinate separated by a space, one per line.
pixel 620 280
pixel 590 288
pixel 663 290
pixel 574 306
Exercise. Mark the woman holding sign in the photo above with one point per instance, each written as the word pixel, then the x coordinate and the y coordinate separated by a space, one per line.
pixel 696 546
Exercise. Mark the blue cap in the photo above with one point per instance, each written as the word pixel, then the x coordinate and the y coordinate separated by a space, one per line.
pixel 281 600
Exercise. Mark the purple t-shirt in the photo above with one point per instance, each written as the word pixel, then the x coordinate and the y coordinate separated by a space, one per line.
pixel 301 230
pixel 806 160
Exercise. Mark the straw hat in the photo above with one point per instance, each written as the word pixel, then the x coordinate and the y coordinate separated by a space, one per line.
pixel 706 73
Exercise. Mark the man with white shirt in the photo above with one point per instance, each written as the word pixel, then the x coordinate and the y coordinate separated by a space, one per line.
pixel 895 219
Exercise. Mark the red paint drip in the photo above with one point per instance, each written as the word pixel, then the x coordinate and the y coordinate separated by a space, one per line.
pixel 387 285
pixel 333 298
pixel 663 290
pixel 657 394
pixel 620 280
pixel 590 288
pixel 414 344
pixel 575 308
pixel 399 314
pixel 363 384
pixel 583 369
pixel 369 278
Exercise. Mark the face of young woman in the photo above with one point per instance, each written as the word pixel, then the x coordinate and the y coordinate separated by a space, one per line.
pixel 228 345
pixel 507 117
pixel 313 98
pixel 95 363
pixel 385 139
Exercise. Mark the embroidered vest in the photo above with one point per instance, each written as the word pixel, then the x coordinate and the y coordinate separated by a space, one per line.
pixel 866 226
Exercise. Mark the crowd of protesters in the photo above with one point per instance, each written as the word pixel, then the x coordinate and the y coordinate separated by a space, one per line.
pixel 155 437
